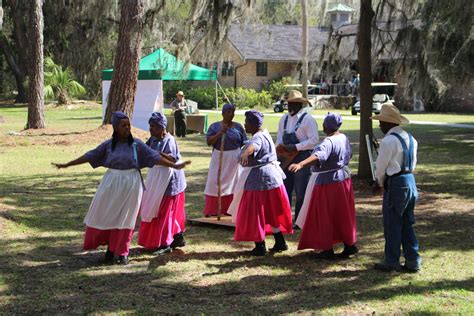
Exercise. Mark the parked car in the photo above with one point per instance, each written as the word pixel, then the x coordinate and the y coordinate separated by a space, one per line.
pixel 383 92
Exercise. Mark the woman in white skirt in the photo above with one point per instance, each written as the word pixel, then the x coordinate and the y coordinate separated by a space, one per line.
pixel 162 210
pixel 114 209
pixel 233 136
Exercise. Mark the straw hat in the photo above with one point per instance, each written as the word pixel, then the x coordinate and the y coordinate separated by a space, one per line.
pixel 389 113
pixel 180 93
pixel 296 96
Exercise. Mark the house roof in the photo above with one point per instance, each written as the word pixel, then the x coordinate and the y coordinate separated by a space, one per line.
pixel 275 42
pixel 339 7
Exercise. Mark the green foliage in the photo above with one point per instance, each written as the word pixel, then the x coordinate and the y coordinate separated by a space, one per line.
pixel 249 98
pixel 277 87
pixel 59 83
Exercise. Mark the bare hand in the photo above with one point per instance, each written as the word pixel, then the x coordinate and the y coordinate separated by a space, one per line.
pixel 244 160
pixel 182 164
pixel 60 165
pixel 295 167
pixel 224 129
pixel 376 189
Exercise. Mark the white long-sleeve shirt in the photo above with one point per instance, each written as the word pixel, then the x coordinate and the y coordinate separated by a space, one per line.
pixel 307 133
pixel 390 158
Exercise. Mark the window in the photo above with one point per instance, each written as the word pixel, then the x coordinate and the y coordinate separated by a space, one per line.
pixel 261 68
pixel 227 68
pixel 343 18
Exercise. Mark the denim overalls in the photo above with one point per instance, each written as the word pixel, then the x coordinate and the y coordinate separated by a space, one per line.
pixel 299 180
pixel 399 201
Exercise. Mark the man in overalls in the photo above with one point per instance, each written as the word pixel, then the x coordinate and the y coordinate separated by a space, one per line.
pixel 298 135
pixel 394 171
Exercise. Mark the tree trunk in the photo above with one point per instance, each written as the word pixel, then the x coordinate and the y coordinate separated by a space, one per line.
pixel 127 57
pixel 20 78
pixel 63 98
pixel 304 12
pixel 365 69
pixel 36 83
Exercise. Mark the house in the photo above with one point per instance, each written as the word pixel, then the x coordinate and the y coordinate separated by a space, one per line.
pixel 254 55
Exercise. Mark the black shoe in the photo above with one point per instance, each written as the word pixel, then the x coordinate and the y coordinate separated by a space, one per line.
pixel 348 251
pixel 109 257
pixel 123 260
pixel 178 241
pixel 296 227
pixel 162 250
pixel 259 250
pixel 325 255
pixel 280 244
pixel 385 268
pixel 409 270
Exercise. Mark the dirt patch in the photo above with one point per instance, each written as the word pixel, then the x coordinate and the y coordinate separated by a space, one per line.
pixel 51 136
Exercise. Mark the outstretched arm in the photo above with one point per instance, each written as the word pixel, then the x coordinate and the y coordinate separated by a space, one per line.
pixel 244 157
pixel 167 163
pixel 295 167
pixel 78 161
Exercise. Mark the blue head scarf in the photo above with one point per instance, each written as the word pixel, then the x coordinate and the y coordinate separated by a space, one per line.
pixel 254 117
pixel 228 106
pixel 117 116
pixel 158 118
pixel 332 121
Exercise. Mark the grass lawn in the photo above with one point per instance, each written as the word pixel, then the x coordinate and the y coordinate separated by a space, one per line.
pixel 44 270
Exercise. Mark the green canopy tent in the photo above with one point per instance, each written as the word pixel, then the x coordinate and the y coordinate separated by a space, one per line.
pixel 153 69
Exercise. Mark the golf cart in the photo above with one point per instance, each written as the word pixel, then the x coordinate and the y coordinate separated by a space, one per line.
pixel 382 92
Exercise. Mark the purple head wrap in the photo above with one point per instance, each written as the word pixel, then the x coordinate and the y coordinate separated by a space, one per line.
pixel 227 107
pixel 117 116
pixel 254 117
pixel 158 118
pixel 332 121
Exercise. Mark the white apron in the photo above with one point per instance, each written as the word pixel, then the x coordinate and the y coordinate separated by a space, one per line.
pixel 242 178
pixel 230 165
pixel 116 203
pixel 157 182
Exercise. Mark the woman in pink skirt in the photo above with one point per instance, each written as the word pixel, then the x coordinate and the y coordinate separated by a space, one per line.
pixel 162 209
pixel 113 212
pixel 330 217
pixel 260 206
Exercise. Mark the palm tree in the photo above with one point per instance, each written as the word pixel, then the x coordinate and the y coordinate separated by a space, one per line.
pixel 60 83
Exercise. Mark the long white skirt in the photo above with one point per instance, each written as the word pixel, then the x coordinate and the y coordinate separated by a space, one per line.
pixel 229 174
pixel 116 203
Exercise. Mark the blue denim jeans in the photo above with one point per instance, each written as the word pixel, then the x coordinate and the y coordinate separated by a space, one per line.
pixel 399 201
pixel 298 182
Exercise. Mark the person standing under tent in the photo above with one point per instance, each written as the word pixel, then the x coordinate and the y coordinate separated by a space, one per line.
pixel 394 172
pixel 114 209
pixel 260 206
pixel 328 213
pixel 297 134
pixel 178 106
pixel 162 209
pixel 234 138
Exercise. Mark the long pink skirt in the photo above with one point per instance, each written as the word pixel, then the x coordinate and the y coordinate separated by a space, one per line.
pixel 169 221
pixel 331 217
pixel 118 240
pixel 210 208
pixel 259 211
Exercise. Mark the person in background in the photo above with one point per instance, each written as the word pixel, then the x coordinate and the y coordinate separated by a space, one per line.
pixel 178 106
pixel 297 134
pixel 114 209
pixel 162 209
pixel 394 168
pixel 234 138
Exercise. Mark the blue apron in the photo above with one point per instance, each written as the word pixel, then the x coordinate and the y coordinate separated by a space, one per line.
pixel 290 138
